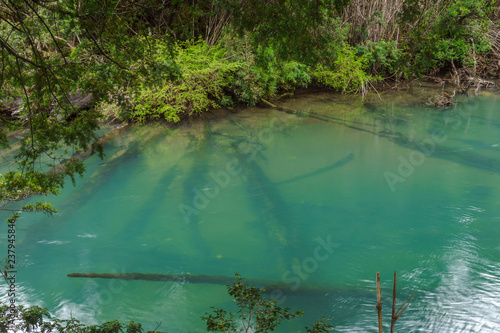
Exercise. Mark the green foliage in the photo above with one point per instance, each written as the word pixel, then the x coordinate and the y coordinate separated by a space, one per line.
pixel 260 73
pixel 294 29
pixel 17 186
pixel 203 73
pixel 37 66
pixel 213 76
pixel 455 34
pixel 293 74
pixel 255 314
pixel 320 326
pixel 347 73
pixel 38 320
pixel 383 58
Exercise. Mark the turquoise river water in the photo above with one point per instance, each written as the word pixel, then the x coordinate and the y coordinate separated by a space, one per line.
pixel 319 201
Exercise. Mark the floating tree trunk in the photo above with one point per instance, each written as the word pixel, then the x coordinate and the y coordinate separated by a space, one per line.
pixel 212 279
pixel 271 287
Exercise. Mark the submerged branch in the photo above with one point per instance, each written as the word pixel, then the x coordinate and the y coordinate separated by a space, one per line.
pixel 269 286
pixel 335 165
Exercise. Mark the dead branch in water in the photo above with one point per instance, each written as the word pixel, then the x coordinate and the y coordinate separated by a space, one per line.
pixel 395 314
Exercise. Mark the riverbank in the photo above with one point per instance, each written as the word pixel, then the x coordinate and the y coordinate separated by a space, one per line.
pixel 216 55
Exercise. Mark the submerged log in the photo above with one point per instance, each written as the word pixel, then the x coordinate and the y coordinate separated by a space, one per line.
pixel 109 168
pixel 158 277
pixel 195 179
pixel 313 115
pixel 272 209
pixel 264 197
pixel 272 287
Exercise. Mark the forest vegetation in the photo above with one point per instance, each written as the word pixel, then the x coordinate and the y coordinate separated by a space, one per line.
pixel 151 59
pixel 66 65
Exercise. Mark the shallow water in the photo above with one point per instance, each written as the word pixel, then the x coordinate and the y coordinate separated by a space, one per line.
pixel 321 202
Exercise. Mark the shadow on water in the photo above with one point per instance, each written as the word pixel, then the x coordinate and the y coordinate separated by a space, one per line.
pixel 265 198
pixel 466 158
pixel 480 192
pixel 199 152
pixel 279 218
pixel 197 176
pixel 109 168
pixel 141 219
pixel 270 208
pixel 99 179
pixel 335 165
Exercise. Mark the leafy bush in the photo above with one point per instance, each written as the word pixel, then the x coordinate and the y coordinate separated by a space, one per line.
pixel 347 73
pixel 447 32
pixel 382 57
pixel 204 72
pixel 261 73
pixel 36 319
pixel 255 314
pixel 296 30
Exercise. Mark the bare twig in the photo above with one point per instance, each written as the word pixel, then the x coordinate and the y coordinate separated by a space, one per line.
pixel 393 317
pixel 402 308
pixel 379 304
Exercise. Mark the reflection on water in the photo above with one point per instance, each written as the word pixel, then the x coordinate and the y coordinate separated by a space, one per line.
pixel 466 299
pixel 318 199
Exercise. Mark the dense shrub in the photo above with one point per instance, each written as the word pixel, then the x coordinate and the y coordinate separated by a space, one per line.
pixel 38 320
pixel 261 73
pixel 346 73
pixel 203 73
pixel 445 33
pixel 382 57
